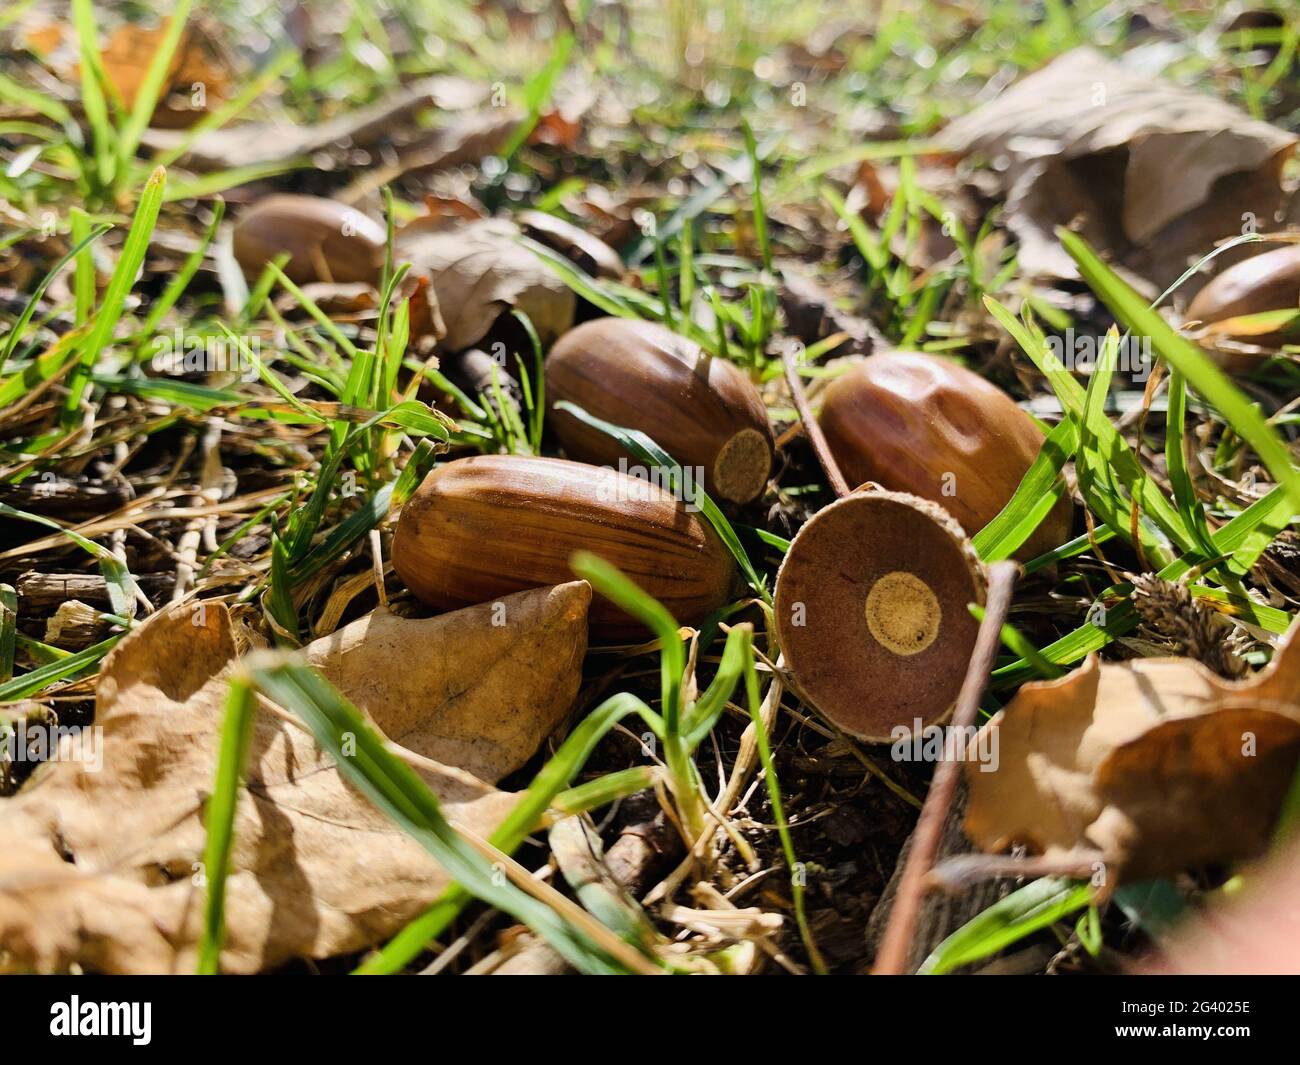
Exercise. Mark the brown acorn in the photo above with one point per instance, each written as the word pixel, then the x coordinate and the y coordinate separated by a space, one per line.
pixel 1268 282
pixel 480 528
pixel 326 241
pixel 871 610
pixel 924 425
pixel 592 254
pixel 704 411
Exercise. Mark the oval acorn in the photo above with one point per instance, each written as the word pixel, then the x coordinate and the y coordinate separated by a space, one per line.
pixel 326 241
pixel 480 528
pixel 871 610
pixel 1267 282
pixel 922 424
pixel 702 410
pixel 592 254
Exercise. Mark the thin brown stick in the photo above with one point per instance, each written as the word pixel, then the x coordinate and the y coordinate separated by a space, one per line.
pixel 897 942
pixel 961 871
pixel 815 436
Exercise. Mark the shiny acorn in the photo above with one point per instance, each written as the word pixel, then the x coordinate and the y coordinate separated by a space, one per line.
pixel 480 528
pixel 704 411
pixel 1267 282
pixel 326 240
pixel 921 424
pixel 592 254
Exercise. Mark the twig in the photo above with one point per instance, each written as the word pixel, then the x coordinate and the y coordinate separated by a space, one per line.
pixel 897 942
pixel 815 436
pixel 963 870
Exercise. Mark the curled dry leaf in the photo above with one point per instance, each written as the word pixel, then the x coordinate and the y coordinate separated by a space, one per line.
pixel 1158 172
pixel 266 143
pixel 479 271
pixel 101 867
pixel 1158 763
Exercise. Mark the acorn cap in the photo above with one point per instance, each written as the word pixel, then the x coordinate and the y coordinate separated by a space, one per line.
pixel 871 610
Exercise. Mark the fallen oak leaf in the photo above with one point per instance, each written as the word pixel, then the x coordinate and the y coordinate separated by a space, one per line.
pixel 195 72
pixel 102 869
pixel 464 142
pixel 267 143
pixel 1158 172
pixel 1196 790
pixel 1158 763
pixel 507 674
pixel 479 270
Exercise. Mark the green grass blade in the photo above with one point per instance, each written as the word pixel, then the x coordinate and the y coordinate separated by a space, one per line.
pixel 8 631
pixel 83 281
pixel 217 181
pixel 647 451
pixel 236 737
pixel 1176 444
pixel 93 80
pixel 765 758
pixel 1241 541
pixel 269 76
pixel 760 211
pixel 1008 921
pixel 39 102
pixel 151 87
pixel 16 332
pixel 119 285
pixel 39 679
pixel 1036 495
pixel 1181 354
pixel 537 92
pixel 700 717
pixel 594 292
pixel 610 582
pixel 178 284
pixel 397 790
pixel 523 819
pixel 1121 461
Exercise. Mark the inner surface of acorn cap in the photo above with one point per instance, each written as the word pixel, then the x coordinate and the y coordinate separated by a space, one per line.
pixel 902 613
pixel 741 468
pixel 871 606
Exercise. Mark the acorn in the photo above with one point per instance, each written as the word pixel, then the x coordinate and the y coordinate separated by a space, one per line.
pixel 326 241
pixel 1267 282
pixel 480 528
pixel 872 613
pixel 924 425
pixel 592 254
pixel 704 411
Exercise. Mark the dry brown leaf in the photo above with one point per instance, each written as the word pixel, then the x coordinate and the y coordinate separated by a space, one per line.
pixel 466 141
pixel 126 60
pixel 103 868
pixel 266 143
pixel 1158 172
pixel 507 674
pixel 479 271
pixel 1158 763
